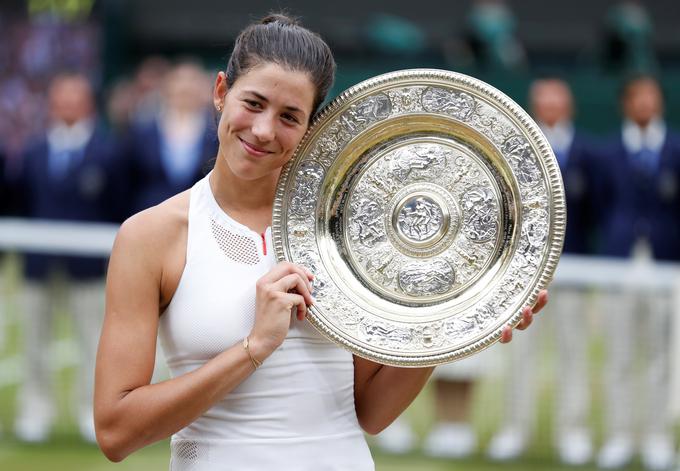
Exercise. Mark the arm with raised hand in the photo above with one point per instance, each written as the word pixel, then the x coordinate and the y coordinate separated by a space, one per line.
pixel 382 393
pixel 129 411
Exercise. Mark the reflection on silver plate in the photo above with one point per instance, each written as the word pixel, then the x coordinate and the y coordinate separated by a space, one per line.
pixel 430 208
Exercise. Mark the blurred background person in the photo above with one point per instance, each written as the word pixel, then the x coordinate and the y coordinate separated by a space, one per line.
pixel 552 106
pixel 138 101
pixel 388 35
pixel 169 153
pixel 642 221
pixel 629 37
pixel 66 174
pixel 120 106
pixel 4 210
pixel 491 36
pixel 147 86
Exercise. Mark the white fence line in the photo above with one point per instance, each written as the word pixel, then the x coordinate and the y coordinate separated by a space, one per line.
pixel 56 237
pixel 96 239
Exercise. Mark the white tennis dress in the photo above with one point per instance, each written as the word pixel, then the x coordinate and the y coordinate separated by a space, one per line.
pixel 296 412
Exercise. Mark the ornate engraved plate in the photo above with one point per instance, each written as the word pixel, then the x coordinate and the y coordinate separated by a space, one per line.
pixel 430 208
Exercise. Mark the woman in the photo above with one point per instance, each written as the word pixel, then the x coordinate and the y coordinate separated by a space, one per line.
pixel 251 388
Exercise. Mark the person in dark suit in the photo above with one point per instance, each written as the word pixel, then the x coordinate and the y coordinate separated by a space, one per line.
pixel 172 152
pixel 4 210
pixel 642 222
pixel 69 174
pixel 552 106
pixel 4 197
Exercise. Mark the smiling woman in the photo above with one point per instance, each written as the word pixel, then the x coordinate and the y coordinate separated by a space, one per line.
pixel 265 114
pixel 254 386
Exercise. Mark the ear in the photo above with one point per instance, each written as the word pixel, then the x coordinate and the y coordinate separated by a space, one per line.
pixel 220 90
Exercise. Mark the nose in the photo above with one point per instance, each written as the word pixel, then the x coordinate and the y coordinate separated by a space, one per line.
pixel 263 127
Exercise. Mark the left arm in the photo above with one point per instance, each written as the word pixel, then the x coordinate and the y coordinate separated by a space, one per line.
pixel 382 393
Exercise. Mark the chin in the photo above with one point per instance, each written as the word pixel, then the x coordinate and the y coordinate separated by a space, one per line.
pixel 252 172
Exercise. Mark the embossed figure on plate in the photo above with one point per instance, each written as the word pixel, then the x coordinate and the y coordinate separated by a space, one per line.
pixel 521 158
pixel 480 215
pixel 366 224
pixel 303 199
pixel 418 160
pixel 365 112
pixel 427 278
pixel 458 105
pixel 420 218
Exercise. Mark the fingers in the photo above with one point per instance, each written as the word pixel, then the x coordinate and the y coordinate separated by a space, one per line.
pixel 541 301
pixel 527 316
pixel 295 282
pixel 506 334
pixel 527 319
pixel 285 268
pixel 297 302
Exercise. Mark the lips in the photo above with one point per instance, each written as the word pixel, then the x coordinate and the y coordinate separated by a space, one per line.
pixel 253 149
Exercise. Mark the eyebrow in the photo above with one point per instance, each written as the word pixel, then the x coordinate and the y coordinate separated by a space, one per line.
pixel 264 98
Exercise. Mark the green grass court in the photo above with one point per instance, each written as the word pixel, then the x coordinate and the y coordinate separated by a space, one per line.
pixel 65 451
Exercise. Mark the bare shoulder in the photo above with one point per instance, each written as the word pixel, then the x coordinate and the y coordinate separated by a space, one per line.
pixel 158 226
pixel 152 244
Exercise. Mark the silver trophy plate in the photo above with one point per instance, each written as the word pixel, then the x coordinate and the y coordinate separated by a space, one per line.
pixel 429 207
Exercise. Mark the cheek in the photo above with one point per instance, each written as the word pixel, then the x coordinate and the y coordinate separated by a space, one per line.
pixel 291 139
pixel 233 120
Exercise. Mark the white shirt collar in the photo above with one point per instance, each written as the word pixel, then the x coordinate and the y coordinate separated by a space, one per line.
pixel 182 128
pixel 559 136
pixel 62 137
pixel 652 137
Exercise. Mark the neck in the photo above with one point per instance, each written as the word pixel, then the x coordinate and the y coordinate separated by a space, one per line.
pixel 249 202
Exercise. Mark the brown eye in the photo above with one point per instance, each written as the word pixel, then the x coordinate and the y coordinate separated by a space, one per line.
pixel 290 118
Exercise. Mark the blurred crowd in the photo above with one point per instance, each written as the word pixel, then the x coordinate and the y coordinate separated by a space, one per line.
pixel 66 157
pixel 70 150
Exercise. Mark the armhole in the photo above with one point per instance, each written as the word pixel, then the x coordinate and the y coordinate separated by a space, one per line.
pixel 191 224
pixel 187 249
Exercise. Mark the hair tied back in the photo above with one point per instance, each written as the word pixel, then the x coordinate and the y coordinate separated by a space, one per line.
pixel 280 18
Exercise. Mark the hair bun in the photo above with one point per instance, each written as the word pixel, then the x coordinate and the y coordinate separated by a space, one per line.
pixel 280 18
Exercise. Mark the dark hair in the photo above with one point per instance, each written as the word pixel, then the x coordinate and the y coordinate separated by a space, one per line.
pixel 282 40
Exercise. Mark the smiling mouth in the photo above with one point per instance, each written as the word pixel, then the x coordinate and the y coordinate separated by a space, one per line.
pixel 254 150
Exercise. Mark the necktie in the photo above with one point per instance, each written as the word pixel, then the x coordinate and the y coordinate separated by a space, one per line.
pixel 645 160
pixel 59 163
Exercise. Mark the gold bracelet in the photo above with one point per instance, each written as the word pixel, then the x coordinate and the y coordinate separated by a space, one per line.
pixel 246 347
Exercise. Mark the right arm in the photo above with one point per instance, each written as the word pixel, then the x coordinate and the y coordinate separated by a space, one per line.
pixel 129 411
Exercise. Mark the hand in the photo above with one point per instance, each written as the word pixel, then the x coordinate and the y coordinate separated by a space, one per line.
pixel 284 287
pixel 527 316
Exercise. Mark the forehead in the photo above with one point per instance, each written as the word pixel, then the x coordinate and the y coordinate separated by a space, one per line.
pixel 551 89
pixel 280 86
pixel 69 87
pixel 643 87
